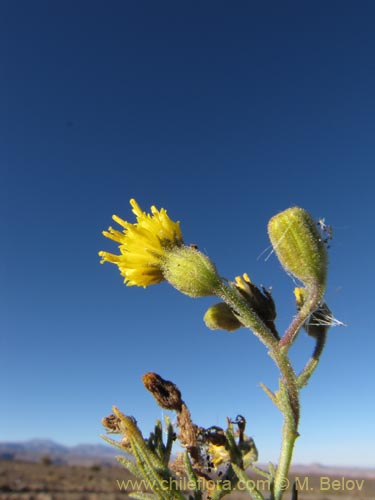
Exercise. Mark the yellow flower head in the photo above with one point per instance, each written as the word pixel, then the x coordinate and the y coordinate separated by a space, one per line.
pixel 143 245
pixel 218 454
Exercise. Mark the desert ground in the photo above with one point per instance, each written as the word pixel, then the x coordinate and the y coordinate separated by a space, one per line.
pixel 21 480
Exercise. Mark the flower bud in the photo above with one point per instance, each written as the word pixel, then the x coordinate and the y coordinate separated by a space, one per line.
pixel 259 299
pixel 220 317
pixel 299 246
pixel 191 272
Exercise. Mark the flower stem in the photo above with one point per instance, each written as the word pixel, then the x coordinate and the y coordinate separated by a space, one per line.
pixel 248 317
pixel 308 308
pixel 288 403
pixel 287 397
pixel 309 369
pixel 289 436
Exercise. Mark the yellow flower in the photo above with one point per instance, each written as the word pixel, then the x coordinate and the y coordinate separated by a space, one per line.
pixel 143 245
pixel 218 454
pixel 259 299
pixel 243 282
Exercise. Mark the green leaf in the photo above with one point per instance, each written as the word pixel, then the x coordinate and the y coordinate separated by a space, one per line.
pixel 254 493
pixel 170 439
pixel 192 477
pixel 131 466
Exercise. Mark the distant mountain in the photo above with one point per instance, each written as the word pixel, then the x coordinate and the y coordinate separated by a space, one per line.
pixel 35 450
pixel 333 470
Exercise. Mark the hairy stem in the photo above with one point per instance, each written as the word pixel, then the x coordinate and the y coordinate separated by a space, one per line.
pixel 289 436
pixel 311 365
pixel 287 398
pixel 308 308
pixel 288 395
pixel 288 402
pixel 248 317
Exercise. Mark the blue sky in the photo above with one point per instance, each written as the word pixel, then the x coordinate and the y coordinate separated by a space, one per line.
pixel 224 114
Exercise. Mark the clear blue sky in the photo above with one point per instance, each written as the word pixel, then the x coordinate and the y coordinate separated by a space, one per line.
pixel 224 113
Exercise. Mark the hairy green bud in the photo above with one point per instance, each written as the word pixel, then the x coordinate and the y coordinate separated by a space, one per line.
pixel 220 317
pixel 299 247
pixel 191 272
